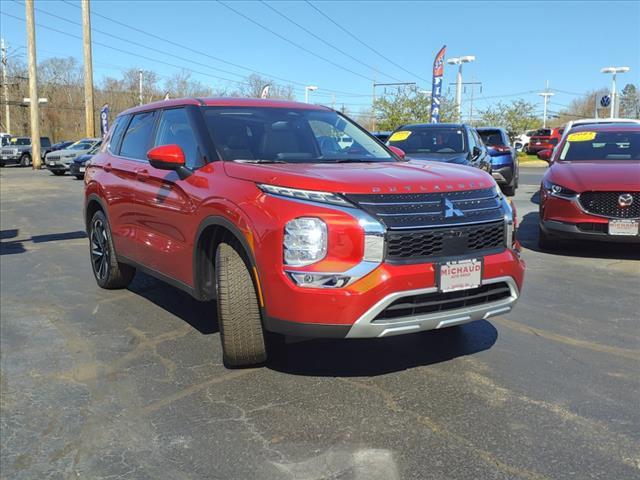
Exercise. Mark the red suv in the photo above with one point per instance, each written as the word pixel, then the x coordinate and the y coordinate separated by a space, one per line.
pixel 545 138
pixel 257 204
pixel 591 191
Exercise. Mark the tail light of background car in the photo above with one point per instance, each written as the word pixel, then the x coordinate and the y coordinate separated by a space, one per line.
pixel 501 148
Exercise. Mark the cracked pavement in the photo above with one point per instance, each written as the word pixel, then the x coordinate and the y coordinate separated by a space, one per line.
pixel 129 384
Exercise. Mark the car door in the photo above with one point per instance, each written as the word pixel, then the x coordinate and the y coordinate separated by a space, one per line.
pixel 483 159
pixel 121 167
pixel 165 202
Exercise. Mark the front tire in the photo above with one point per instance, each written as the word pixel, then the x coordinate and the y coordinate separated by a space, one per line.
pixel 25 160
pixel 58 173
pixel 108 272
pixel 241 332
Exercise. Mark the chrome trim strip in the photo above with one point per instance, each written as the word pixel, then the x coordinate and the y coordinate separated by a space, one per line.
pixel 440 225
pixel 365 328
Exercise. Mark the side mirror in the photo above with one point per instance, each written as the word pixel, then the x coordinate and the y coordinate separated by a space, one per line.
pixel 475 153
pixel 398 151
pixel 169 157
pixel 545 155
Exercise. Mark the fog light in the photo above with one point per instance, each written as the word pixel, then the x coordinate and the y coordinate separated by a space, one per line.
pixel 305 241
pixel 319 280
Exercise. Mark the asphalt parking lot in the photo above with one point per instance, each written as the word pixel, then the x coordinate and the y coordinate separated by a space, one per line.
pixel 129 384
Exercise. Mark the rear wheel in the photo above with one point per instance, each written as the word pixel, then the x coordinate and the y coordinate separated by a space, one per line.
pixel 108 272
pixel 241 332
pixel 25 160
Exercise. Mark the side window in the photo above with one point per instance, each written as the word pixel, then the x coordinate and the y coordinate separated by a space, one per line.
pixel 472 140
pixel 137 140
pixel 174 128
pixel 115 134
pixel 45 142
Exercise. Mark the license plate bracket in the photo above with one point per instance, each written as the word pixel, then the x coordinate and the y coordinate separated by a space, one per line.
pixel 624 227
pixel 460 274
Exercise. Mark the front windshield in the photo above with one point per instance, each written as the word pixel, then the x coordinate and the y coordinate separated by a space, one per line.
pixel 264 134
pixel 440 140
pixel 588 145
pixel 81 145
pixel 20 141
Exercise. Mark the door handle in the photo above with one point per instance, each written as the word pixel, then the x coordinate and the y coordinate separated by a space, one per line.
pixel 107 167
pixel 142 175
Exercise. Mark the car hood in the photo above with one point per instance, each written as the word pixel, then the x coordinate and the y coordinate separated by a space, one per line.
pixel 83 158
pixel 457 158
pixel 596 175
pixel 387 177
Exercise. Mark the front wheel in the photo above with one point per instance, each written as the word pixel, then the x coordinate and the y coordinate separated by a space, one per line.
pixel 25 160
pixel 58 173
pixel 108 272
pixel 241 332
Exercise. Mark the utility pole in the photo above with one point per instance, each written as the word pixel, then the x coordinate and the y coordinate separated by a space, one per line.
pixel 88 70
pixel 33 86
pixel 5 88
pixel 140 86
pixel 459 61
pixel 614 100
pixel 546 94
pixel 373 103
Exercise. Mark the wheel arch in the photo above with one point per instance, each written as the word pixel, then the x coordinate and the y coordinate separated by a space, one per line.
pixel 212 231
pixel 92 205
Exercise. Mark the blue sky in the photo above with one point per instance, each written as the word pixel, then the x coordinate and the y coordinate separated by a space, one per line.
pixel 518 45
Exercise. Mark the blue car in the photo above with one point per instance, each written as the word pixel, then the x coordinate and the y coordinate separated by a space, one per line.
pixel 79 164
pixel 504 158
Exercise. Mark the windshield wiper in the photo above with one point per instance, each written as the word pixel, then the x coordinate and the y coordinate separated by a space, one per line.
pixel 257 160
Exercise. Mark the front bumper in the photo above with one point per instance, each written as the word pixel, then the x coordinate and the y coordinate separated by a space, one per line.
pixel 57 166
pixel 77 168
pixel 351 312
pixel 10 158
pixel 564 218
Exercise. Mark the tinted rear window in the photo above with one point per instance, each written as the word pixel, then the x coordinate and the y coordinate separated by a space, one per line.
pixel 491 137
pixel 137 140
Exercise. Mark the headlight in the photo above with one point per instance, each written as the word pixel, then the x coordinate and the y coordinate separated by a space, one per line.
pixel 556 190
pixel 305 241
pixel 310 195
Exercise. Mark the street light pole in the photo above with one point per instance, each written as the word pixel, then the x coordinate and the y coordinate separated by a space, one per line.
pixel 307 89
pixel 459 61
pixel 546 94
pixel 614 71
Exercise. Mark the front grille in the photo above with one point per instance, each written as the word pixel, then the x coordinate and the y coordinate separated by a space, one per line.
pixel 606 204
pixel 415 246
pixel 422 210
pixel 7 152
pixel 427 303
pixel 53 157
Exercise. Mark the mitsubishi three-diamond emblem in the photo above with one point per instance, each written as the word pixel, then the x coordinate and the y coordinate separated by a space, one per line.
pixel 450 210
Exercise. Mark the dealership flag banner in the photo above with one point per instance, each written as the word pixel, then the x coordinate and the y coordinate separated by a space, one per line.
pixel 436 88
pixel 104 119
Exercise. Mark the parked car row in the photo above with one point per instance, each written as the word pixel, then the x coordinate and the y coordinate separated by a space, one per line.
pixel 59 162
pixel 18 150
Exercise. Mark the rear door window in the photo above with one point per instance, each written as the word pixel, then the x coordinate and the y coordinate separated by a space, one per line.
pixel 137 140
pixel 174 128
pixel 115 134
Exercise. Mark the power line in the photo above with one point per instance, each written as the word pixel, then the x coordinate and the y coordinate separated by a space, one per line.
pixel 282 37
pixel 199 52
pixel 363 43
pixel 317 37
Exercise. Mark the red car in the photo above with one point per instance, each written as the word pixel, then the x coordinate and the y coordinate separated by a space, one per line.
pixel 545 138
pixel 592 188
pixel 257 204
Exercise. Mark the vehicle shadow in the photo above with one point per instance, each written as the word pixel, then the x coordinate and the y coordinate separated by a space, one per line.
pixel 200 315
pixel 378 356
pixel 528 236
pixel 12 247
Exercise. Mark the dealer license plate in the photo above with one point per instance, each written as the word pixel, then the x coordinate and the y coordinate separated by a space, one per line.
pixel 81 169
pixel 51 164
pixel 460 275
pixel 623 227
